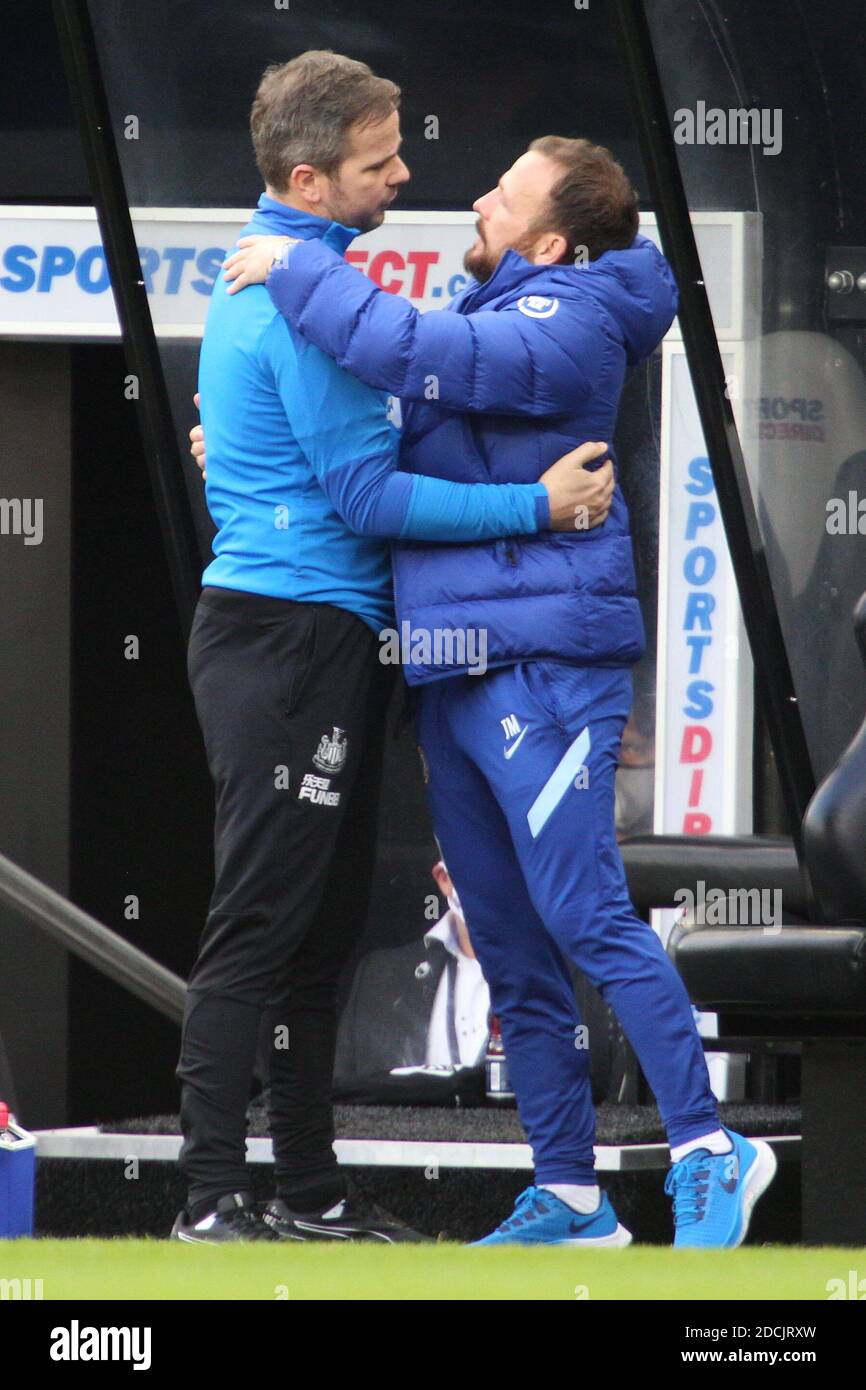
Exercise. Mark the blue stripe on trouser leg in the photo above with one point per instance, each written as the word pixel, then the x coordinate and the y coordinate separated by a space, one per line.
pixel 530 985
pixel 572 869
pixel 558 783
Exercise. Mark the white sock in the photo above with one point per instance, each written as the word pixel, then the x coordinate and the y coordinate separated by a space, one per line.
pixel 582 1197
pixel 717 1143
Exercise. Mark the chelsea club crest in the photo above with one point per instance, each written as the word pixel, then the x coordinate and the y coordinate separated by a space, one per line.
pixel 331 752
pixel 537 306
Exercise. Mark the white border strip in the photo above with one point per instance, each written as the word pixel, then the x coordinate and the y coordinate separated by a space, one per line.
pixel 88 1142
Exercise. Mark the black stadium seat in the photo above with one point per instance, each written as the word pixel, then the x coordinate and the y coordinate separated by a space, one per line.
pixel 806 980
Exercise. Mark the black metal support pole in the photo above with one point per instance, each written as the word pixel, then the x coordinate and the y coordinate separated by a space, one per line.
pixel 736 504
pixel 78 46
pixel 99 946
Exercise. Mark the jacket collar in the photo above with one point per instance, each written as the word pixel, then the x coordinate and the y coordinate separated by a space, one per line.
pixel 278 219
pixel 512 270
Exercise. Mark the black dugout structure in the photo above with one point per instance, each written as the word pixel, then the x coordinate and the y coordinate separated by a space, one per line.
pixel 161 96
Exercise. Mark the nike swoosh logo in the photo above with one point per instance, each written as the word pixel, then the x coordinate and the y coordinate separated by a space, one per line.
pixel 509 752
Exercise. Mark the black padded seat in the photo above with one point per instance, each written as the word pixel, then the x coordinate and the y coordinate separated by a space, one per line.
pixel 657 865
pixel 789 972
pixel 806 981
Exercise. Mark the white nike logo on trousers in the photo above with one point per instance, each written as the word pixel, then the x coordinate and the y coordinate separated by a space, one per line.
pixel 509 752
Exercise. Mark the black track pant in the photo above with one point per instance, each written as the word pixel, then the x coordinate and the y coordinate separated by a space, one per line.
pixel 291 698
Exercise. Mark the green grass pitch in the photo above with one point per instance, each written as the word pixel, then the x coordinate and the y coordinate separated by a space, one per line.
pixel 152 1269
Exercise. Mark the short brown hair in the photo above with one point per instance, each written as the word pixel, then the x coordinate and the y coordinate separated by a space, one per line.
pixel 593 204
pixel 303 112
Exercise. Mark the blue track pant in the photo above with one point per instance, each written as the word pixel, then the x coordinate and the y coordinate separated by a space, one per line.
pixel 521 783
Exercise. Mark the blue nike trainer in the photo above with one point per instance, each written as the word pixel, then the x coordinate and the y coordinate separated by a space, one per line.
pixel 714 1194
pixel 540 1218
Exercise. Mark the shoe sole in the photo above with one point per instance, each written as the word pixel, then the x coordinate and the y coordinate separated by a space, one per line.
pixel 617 1240
pixel 203 1240
pixel 755 1183
pixel 308 1236
pixel 309 1231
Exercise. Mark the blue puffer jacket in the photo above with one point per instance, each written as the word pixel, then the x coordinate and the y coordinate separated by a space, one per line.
pixel 494 389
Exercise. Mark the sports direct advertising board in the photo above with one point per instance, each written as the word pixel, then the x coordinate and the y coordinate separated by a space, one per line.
pixel 54 277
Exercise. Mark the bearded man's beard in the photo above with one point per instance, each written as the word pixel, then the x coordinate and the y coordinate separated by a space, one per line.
pixel 481 264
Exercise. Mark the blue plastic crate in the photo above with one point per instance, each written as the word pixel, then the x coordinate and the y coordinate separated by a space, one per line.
pixel 17 1181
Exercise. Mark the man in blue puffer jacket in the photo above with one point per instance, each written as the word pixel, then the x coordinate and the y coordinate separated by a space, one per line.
pixel 528 360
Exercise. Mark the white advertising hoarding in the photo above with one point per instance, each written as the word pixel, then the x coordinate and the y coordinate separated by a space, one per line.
pixel 54 277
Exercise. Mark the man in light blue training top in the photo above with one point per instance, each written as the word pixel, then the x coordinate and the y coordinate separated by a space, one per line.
pixel 284 664
pixel 566 297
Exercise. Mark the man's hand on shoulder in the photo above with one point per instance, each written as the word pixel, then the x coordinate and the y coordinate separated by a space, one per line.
pixel 249 265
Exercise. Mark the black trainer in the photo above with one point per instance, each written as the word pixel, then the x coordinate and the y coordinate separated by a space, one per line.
pixel 347 1219
pixel 233 1218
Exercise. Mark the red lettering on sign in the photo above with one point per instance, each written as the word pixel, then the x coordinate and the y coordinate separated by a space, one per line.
pixel 697 744
pixel 378 265
pixel 421 261
pixel 695 789
pixel 696 823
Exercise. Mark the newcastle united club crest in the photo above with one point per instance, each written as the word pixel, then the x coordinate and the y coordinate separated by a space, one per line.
pixel 331 752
